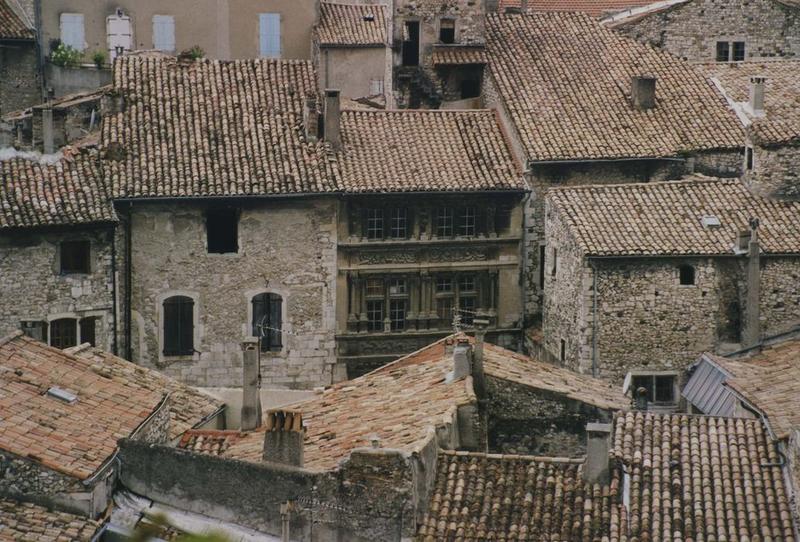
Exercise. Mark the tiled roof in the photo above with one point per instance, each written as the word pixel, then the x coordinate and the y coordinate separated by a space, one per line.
pixel 402 151
pixel 781 124
pixel 770 381
pixel 506 365
pixel 666 218
pixel 212 128
pixel 458 54
pixel 68 192
pixel 351 24
pixel 595 8
pixel 26 522
pixel 565 80
pixel 76 438
pixel 702 478
pixel 11 26
pixel 492 497
pixel 400 403
pixel 208 441
pixel 188 406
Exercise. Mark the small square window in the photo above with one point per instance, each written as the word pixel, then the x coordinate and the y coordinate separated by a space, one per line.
pixel 374 224
pixel 88 330
pixel 444 285
pixel 397 287
pixel 738 51
pixel 75 257
pixel 686 275
pixel 444 222
pixel 466 283
pixel 447 31
pixel 222 230
pixel 723 51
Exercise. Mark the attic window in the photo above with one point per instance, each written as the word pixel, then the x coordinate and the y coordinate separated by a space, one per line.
pixel 62 395
pixel 75 257
pixel 711 221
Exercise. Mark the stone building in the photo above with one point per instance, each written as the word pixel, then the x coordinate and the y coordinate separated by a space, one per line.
pixel 20 85
pixel 766 96
pixel 707 30
pixel 57 248
pixel 646 116
pixel 430 226
pixel 229 218
pixel 590 7
pixel 643 278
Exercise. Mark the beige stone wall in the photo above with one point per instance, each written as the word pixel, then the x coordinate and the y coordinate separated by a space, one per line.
pixel 222 28
pixel 691 30
pixel 776 172
pixel 286 247
pixel 351 70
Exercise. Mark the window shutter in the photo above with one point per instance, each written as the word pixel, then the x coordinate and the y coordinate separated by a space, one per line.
pixel 171 328
pixel 270 35
pixel 187 326
pixel 72 33
pixel 120 34
pixel 275 303
pixel 164 32
pixel 259 310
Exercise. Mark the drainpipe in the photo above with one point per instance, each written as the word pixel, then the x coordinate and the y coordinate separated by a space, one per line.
pixel 128 282
pixel 595 368
pixel 114 292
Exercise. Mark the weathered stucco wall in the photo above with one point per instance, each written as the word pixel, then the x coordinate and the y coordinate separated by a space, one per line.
pixel 776 171
pixel 19 76
pixel 33 289
pixel 691 30
pixel 352 70
pixel 285 247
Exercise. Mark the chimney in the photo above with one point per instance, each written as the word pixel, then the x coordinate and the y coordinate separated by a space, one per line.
pixel 757 95
pixel 598 447
pixel 311 119
pixel 251 396
pixel 283 439
pixel 462 360
pixel 48 135
pixel 481 322
pixel 643 92
pixel 743 241
pixel 751 334
pixel 333 114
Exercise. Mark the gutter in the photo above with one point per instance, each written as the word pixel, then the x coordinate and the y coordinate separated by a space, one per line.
pixel 605 160
pixel 673 256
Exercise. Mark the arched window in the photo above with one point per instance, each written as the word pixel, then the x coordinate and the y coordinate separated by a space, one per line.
pixel 267 321
pixel 178 326
pixel 686 275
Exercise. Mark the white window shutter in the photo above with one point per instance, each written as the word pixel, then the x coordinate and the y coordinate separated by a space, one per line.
pixel 120 34
pixel 72 30
pixel 164 32
pixel 269 34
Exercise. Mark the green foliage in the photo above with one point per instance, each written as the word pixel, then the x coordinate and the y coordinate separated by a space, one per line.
pixel 99 58
pixel 65 56
pixel 159 527
pixel 195 53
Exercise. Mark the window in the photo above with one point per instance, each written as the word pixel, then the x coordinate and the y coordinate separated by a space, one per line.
pixel 88 329
pixel 502 219
pixel 64 333
pixel 164 33
pixel 75 257
pixel 444 222
pixel 467 220
pixel 397 304
pixel 470 88
pixel 723 51
pixel 267 321
pixel 375 299
pixel 222 230
pixel 382 294
pixel 748 158
pixel 554 268
pixel 376 87
pixel 72 32
pixel 444 308
pixel 686 275
pixel 542 263
pixel 35 330
pixel 374 224
pixel 178 326
pixel 738 51
pixel 411 43
pixel 398 223
pixel 269 35
pixel 562 355
pixel 456 293
pixel 660 389
pixel 447 31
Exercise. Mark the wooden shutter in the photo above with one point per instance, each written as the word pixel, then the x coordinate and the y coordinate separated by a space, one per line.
pixel 72 32
pixel 275 303
pixel 164 33
pixel 269 34
pixel 178 326
pixel 187 326
pixel 120 34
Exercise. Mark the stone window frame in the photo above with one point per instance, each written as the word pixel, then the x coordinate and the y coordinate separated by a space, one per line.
pixel 98 315
pixel 286 326
pixel 731 42
pixel 59 257
pixel 628 385
pixel 679 270
pixel 196 328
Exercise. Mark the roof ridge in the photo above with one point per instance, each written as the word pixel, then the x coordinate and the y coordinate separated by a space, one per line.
pixel 523 457
pixel 696 178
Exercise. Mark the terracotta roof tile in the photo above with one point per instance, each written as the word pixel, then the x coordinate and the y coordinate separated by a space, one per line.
pixel 666 217
pixel 506 365
pixel 399 151
pixel 212 128
pixel 701 478
pixel 211 442
pixel 566 82
pixel 781 124
pixel 360 25
pixel 26 522
pixel 480 497
pixel 458 54
pixel 76 438
pixel 67 192
pixel 595 8
pixel 770 381
pixel 11 26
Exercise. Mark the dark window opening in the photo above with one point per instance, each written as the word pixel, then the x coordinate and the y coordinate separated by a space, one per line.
pixel 398 223
pixel 542 260
pixel 267 321
pixel 75 257
pixel 397 314
pixel 470 88
pixel 374 224
pixel 563 351
pixel 686 275
pixel 64 333
pixel 554 269
pixel 444 222
pixel 659 388
pixel 748 154
pixel 222 227
pixel 723 51
pixel 179 326
pixel 738 51
pixel 88 327
pixel 502 219
pixel 411 44
pixel 35 330
pixel 447 31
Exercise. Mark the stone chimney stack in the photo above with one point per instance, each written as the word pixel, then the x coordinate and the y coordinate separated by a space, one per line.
pixel 757 95
pixel 251 392
pixel 283 439
pixel 311 119
pixel 598 447
pixel 643 92
pixel 751 334
pixel 462 360
pixel 333 115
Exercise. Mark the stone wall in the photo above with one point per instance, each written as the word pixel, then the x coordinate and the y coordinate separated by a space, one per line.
pixel 286 247
pixel 692 29
pixel 352 70
pixel 780 294
pixel 19 76
pixel 156 429
pixel 32 288
pixel 776 171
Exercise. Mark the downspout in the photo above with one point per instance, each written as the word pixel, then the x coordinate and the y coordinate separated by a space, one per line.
pixel 128 283
pixel 524 255
pixel 114 292
pixel 595 369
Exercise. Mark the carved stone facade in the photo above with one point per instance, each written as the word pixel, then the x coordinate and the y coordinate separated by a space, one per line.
pixel 409 264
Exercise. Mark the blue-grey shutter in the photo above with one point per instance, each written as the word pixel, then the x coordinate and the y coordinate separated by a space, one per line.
pixel 164 32
pixel 270 35
pixel 72 32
